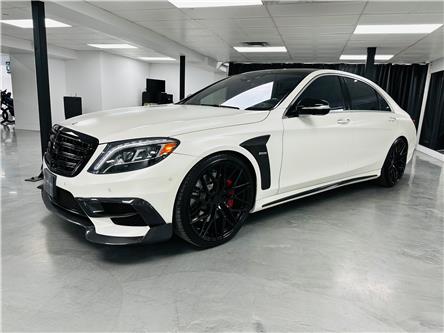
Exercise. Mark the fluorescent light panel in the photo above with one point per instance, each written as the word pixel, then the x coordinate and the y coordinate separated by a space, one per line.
pixel 214 3
pixel 260 49
pixel 380 57
pixel 157 58
pixel 27 24
pixel 113 46
pixel 396 28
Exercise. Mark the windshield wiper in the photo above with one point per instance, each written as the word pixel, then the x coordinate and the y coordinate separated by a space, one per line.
pixel 219 106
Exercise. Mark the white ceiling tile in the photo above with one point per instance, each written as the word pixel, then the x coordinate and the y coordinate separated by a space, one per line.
pixel 152 15
pixel 261 22
pixel 227 12
pixel 315 9
pixel 315 20
pixel 170 24
pixel 132 5
pixel 402 18
pixel 383 40
pixel 404 7
pixel 312 31
pixel 309 31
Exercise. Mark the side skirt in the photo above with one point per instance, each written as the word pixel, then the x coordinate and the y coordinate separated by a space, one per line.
pixel 319 190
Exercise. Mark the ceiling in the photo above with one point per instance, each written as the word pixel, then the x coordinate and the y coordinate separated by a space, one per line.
pixel 312 31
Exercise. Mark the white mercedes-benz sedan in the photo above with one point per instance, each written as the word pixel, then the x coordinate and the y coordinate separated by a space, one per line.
pixel 198 168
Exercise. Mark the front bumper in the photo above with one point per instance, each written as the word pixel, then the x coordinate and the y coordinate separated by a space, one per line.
pixel 154 234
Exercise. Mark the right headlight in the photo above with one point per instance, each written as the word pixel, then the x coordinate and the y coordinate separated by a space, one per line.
pixel 132 155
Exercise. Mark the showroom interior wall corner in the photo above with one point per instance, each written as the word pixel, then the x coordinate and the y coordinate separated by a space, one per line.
pixel 122 81
pixel 25 90
pixel 437 65
pixel 196 77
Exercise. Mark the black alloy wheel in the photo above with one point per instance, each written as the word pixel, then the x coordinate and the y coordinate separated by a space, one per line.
pixel 214 200
pixel 394 164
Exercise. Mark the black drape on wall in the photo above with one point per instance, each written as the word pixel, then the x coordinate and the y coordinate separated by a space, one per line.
pixel 432 132
pixel 405 83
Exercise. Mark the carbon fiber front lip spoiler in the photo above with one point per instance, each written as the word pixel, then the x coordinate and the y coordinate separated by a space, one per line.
pixel 155 234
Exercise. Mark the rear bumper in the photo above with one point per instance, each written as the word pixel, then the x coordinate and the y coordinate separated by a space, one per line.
pixel 154 234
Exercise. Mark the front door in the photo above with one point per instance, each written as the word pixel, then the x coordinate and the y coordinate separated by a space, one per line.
pixel 315 147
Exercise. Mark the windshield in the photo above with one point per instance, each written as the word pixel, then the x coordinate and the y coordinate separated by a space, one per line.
pixel 249 91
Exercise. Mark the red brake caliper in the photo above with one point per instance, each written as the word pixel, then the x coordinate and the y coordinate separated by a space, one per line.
pixel 230 200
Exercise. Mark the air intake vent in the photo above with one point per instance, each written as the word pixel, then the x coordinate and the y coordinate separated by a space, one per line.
pixel 255 43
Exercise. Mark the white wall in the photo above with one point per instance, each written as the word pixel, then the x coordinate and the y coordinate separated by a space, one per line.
pixel 123 81
pixel 196 77
pixel 103 80
pixel 57 88
pixel 5 82
pixel 25 90
pixel 83 79
pixel 437 65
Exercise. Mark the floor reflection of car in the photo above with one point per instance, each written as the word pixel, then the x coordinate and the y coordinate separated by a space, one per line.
pixel 200 167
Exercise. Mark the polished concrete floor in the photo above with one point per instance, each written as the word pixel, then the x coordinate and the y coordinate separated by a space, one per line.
pixel 361 258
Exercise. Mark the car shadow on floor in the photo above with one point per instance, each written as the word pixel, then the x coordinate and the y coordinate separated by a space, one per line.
pixel 282 210
pixel 64 237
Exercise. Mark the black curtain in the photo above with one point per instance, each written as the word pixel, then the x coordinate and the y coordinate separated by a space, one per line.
pixel 404 83
pixel 432 132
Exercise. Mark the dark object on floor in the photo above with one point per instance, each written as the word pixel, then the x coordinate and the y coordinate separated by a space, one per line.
pixel 36 178
pixel 7 106
pixel 155 93
pixel 73 106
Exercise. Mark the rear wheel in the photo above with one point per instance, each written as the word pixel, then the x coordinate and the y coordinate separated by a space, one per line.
pixel 394 164
pixel 214 200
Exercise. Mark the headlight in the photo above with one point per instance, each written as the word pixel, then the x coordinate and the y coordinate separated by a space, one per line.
pixel 131 155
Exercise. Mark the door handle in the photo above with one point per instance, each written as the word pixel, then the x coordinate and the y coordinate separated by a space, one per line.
pixel 343 121
pixel 392 118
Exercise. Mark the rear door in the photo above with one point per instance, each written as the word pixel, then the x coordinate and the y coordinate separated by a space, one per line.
pixel 372 124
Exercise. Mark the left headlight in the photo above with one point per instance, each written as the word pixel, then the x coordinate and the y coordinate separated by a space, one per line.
pixel 131 155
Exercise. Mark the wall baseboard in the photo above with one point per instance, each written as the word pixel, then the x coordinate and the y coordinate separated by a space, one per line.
pixel 430 152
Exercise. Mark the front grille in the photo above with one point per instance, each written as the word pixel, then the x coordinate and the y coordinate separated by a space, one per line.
pixel 69 151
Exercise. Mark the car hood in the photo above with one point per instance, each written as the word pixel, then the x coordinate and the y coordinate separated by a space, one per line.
pixel 159 121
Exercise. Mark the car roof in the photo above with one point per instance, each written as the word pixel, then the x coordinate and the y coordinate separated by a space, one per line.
pixel 305 71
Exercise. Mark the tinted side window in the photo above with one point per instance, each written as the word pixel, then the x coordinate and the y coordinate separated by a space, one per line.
pixel 327 88
pixel 383 105
pixel 362 96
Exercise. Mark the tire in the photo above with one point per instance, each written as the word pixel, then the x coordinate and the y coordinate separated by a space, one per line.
pixel 394 164
pixel 214 200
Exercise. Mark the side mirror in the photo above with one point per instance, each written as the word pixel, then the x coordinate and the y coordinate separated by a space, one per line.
pixel 312 106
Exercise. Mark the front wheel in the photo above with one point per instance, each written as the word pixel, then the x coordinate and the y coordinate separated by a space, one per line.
pixel 394 164
pixel 214 200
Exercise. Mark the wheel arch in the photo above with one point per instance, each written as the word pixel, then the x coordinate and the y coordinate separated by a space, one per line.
pixel 248 160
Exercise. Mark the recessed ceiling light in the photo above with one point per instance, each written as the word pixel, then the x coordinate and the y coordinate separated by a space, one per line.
pixel 396 28
pixel 381 57
pixel 27 24
pixel 113 46
pixel 260 49
pixel 157 58
pixel 214 3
